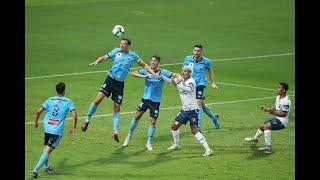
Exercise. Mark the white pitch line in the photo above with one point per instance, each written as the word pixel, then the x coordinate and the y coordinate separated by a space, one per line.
pixel 163 65
pixel 178 107
pixel 253 87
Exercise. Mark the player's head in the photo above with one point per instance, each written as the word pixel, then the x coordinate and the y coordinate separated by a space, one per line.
pixel 186 72
pixel 154 63
pixel 282 88
pixel 197 50
pixel 60 88
pixel 124 44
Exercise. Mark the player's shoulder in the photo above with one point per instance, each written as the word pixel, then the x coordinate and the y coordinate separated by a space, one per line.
pixel 287 99
pixel 191 80
pixel 133 53
pixel 66 99
pixel 164 70
pixel 207 60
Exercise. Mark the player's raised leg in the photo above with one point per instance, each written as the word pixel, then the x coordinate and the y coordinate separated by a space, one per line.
pixel 92 109
pixel 214 117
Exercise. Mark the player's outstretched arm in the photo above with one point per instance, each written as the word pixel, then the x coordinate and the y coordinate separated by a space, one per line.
pixel 138 75
pixel 146 67
pixel 38 113
pixel 211 78
pixel 99 59
pixel 75 121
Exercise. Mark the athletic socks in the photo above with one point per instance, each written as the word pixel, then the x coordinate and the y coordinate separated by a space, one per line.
pixel 151 131
pixel 91 111
pixel 116 120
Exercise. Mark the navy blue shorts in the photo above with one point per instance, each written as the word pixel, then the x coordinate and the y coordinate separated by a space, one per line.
pixel 201 92
pixel 152 106
pixel 114 88
pixel 185 116
pixel 275 123
pixel 51 140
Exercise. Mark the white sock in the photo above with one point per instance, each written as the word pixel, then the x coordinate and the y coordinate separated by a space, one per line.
pixel 258 134
pixel 202 140
pixel 267 137
pixel 175 135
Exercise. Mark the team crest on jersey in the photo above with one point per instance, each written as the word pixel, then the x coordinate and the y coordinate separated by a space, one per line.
pixel 118 55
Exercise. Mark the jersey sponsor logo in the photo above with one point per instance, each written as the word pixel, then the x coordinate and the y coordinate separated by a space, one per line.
pixel 53 121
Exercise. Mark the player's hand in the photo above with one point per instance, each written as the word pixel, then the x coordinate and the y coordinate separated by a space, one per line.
pixel 93 64
pixel 36 124
pixel 271 111
pixel 214 86
pixel 72 132
pixel 177 80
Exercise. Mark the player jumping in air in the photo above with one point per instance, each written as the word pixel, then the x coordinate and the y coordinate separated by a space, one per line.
pixel 122 59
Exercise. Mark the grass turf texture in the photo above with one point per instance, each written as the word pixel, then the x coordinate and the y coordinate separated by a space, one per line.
pixel 65 36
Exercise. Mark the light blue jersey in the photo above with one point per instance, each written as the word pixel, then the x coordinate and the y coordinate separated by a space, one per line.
pixel 57 108
pixel 153 86
pixel 199 69
pixel 122 62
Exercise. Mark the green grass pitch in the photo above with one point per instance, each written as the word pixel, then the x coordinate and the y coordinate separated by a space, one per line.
pixel 251 43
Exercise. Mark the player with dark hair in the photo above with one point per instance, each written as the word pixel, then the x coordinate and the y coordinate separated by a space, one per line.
pixel 278 121
pixel 122 59
pixel 200 65
pixel 151 99
pixel 57 108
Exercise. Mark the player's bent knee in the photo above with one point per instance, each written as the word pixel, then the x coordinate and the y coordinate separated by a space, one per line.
pixel 153 121
pixel 174 127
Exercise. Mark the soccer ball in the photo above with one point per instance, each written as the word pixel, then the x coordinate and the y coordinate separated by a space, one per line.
pixel 118 30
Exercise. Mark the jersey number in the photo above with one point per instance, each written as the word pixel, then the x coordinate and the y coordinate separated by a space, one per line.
pixel 55 110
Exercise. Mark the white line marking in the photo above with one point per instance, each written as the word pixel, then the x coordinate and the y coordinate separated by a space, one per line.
pixel 253 87
pixel 178 107
pixel 163 65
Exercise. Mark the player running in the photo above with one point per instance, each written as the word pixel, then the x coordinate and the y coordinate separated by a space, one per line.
pixel 57 108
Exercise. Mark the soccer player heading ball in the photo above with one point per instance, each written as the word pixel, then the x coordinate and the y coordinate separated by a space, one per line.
pixel 122 59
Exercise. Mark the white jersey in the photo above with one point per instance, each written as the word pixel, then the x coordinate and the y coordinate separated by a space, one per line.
pixel 283 105
pixel 187 91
